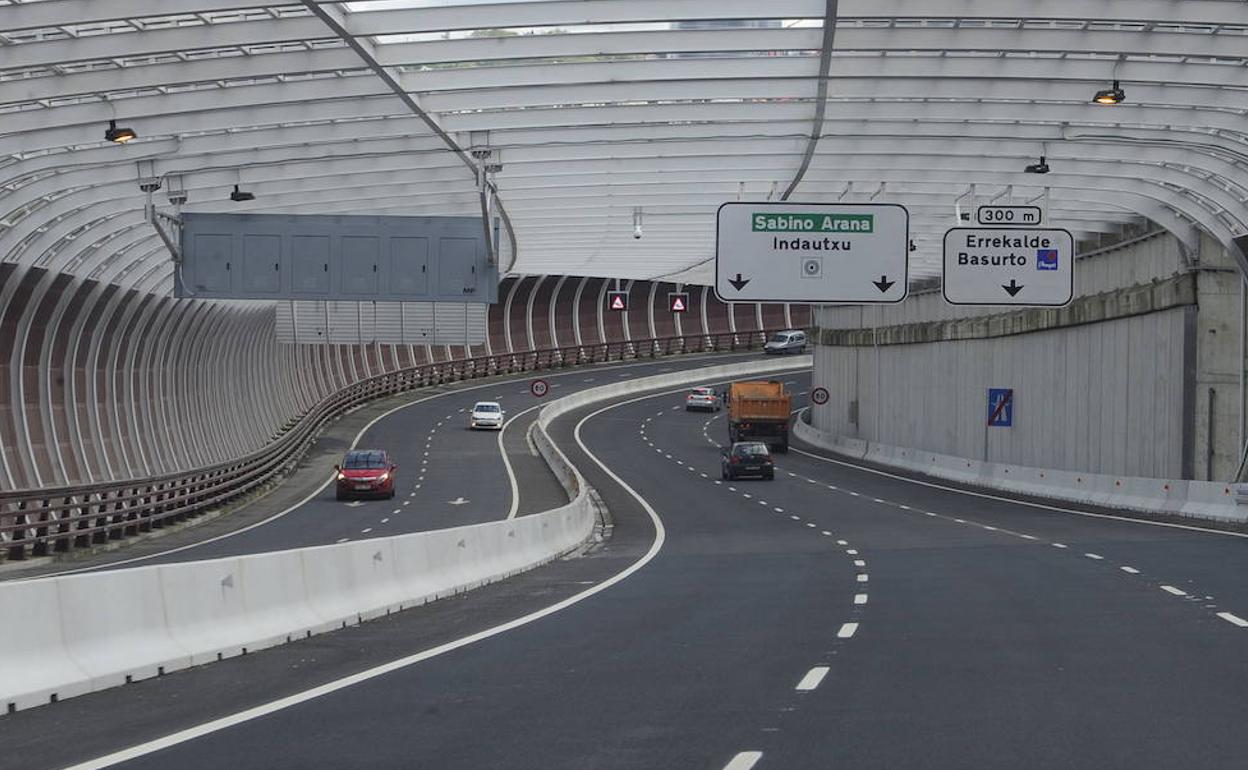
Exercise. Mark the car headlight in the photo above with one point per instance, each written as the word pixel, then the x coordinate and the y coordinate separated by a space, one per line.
pixel 341 475
pixel 383 476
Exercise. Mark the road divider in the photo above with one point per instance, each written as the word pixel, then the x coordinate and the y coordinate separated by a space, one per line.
pixel 85 632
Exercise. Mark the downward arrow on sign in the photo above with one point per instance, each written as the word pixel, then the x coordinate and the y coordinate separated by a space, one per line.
pixel 1013 287
pixel 883 284
pixel 738 283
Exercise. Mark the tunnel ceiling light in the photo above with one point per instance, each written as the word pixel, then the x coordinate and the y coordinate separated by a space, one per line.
pixel 118 135
pixel 238 196
pixel 1038 168
pixel 1113 95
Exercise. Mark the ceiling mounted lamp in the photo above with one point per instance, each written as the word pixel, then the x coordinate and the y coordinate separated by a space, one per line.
pixel 238 196
pixel 1038 168
pixel 118 135
pixel 1113 95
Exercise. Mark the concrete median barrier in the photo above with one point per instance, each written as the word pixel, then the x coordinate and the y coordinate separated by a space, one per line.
pixel 85 632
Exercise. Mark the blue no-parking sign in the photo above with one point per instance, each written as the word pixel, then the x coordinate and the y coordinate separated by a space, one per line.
pixel 1001 407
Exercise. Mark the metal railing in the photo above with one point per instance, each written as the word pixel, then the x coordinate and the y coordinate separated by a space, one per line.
pixel 39 522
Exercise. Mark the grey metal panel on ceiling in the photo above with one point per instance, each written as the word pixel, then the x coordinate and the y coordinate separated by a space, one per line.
pixel 320 322
pixel 351 258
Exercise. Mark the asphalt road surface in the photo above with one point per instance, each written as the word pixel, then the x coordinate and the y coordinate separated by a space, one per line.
pixel 836 617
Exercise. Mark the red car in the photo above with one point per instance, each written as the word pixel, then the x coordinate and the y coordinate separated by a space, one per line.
pixel 366 473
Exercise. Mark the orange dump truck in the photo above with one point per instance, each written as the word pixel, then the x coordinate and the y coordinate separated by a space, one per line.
pixel 758 410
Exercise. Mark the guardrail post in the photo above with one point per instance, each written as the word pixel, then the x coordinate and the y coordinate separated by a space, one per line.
pixel 17 543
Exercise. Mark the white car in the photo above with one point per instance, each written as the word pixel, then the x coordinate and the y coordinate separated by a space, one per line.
pixel 486 414
pixel 704 399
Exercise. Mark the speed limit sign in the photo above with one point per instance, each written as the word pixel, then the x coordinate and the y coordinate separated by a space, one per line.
pixel 819 396
pixel 539 388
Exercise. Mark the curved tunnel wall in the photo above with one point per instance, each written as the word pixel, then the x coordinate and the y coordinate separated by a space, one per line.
pixel 99 383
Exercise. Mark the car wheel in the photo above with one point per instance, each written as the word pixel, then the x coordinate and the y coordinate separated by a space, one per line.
pixel 723 473
pixel 770 476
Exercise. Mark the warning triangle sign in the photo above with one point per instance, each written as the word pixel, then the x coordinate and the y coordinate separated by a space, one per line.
pixel 678 305
pixel 617 302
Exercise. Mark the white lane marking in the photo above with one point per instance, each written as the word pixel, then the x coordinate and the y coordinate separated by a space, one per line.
pixel 343 539
pixel 876 499
pixel 743 761
pixel 396 510
pixel 810 524
pixel 826 533
pixel 407 502
pixel 216 725
pixel 763 503
pixel 778 510
pixel 747 495
pixel 852 552
pixel 1013 501
pixel 928 513
pixel 993 529
pixel 385 520
pixel 732 489
pixel 1095 556
pixel 795 517
pixel 1130 570
pixel 366 530
pixel 717 481
pixel 1027 537
pixel 411 494
pixel 904 507
pixel 416 487
pixel 841 542
pixel 860 598
pixel 1233 619
pixel 859 563
pixel 847 630
pixel 833 486
pixel 960 521
pixel 812 679
pixel 855 494
pixel 811 481
pixel 1059 545
pixel 1173 590
pixel 862 578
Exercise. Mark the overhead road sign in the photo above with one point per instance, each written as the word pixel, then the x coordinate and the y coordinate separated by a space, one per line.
pixel 617 300
pixel 812 252
pixel 332 257
pixel 678 302
pixel 1004 266
pixel 1010 216
pixel 1001 407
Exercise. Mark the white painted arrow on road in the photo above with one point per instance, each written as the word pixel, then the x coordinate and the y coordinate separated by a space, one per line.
pixel 457 501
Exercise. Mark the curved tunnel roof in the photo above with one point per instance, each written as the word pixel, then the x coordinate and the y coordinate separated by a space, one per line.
pixel 600 111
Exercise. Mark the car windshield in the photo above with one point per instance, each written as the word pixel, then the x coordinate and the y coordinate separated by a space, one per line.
pixel 364 460
pixel 781 337
pixel 701 392
pixel 750 450
pixel 486 408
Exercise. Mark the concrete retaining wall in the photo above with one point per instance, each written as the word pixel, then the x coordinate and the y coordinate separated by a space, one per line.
pixel 1195 499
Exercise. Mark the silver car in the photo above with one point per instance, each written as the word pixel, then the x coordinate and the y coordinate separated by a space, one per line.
pixel 787 341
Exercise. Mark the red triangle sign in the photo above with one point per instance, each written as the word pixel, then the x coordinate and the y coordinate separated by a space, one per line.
pixel 678 305
pixel 617 303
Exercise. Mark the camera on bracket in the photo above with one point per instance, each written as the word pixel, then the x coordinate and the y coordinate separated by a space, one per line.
pixel 149 183
pixel 177 197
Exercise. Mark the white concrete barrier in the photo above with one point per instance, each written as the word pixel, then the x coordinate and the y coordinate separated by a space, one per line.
pixel 1196 499
pixel 75 634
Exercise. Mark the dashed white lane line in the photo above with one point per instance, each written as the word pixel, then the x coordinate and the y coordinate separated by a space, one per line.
pixel 855 494
pixel 396 510
pixel 859 563
pixel 1059 545
pixel 343 539
pixel 876 499
pixel 1174 591
pixel 762 503
pixel 860 599
pixel 406 502
pixel 991 529
pixel 732 489
pixel 795 517
pixel 863 578
pixel 411 494
pixel 847 630
pixel 1027 537
pixel 385 520
pixel 744 761
pixel 810 524
pixel 812 679
pixel 747 495
pixel 1130 570
pixel 960 521
pixel 905 507
pixel 842 542
pixel 717 481
pixel 366 530
pixel 852 552
pixel 826 533
pixel 778 510
pixel 1233 619
pixel 1094 556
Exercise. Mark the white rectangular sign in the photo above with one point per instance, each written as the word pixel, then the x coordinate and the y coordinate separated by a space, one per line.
pixel 1003 266
pixel 1010 216
pixel 811 252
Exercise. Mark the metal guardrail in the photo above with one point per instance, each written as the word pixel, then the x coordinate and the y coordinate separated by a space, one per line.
pixel 38 522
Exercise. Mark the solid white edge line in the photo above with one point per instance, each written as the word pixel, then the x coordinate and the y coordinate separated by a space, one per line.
pixel 744 760
pixel 310 497
pixel 511 474
pixel 1028 503
pixel 222 723
pixel 812 679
